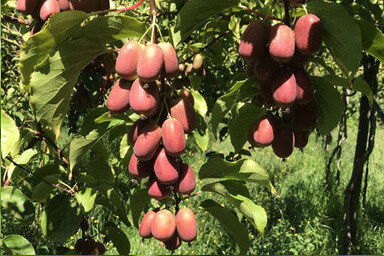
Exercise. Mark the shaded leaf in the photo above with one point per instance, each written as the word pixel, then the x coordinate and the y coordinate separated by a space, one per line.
pixel 17 204
pixel 86 198
pixel 118 238
pixel 373 39
pixel 17 245
pixel 201 134
pixel 137 203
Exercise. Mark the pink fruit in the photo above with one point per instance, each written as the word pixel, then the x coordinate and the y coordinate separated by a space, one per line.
pixel 163 225
pixel 171 63
pixel 284 88
pixel 284 142
pixel 145 224
pixel 262 131
pixel 166 168
pixel 173 137
pixel 26 6
pixel 48 8
pixel 305 90
pixel 254 41
pixel 187 182
pixel 150 63
pixel 147 142
pixel 184 112
pixel 144 97
pixel 186 225
pixel 156 189
pixel 140 169
pixel 118 99
pixel 126 62
pixel 281 43
pixel 309 34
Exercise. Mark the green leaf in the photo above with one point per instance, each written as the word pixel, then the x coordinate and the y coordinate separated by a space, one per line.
pixel 195 12
pixel 237 194
pixel 244 169
pixel 58 28
pixel 51 173
pixel 53 81
pixel 361 85
pixel 329 104
pixel 137 203
pixel 242 118
pixel 230 223
pixel 86 198
pixel 200 104
pixel 90 133
pixel 111 28
pixel 110 197
pixel 61 218
pixel 22 159
pixel 373 39
pixel 17 245
pixel 100 170
pixel 341 34
pixel 17 204
pixel 9 134
pixel 201 134
pixel 118 238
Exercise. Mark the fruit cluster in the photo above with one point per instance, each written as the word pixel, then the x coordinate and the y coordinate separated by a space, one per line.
pixel 42 9
pixel 166 115
pixel 171 230
pixel 276 56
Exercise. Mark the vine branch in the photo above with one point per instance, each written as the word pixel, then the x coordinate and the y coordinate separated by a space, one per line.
pixel 15 20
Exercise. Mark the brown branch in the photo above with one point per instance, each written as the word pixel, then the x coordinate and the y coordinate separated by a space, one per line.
pixel 15 20
pixel 69 191
pixel 259 14
pixel 287 19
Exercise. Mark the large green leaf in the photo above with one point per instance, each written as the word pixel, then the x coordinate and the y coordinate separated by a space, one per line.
pixel 136 204
pixel 195 12
pixel 24 158
pixel 373 39
pixel 16 203
pixel 200 104
pixel 90 133
pixel 238 195
pixel 242 118
pixel 230 223
pixel 9 134
pixel 51 173
pixel 56 30
pixel 329 104
pixel 86 198
pixel 341 34
pixel 17 245
pixel 53 81
pixel 201 133
pixel 244 169
pixel 61 218
pixel 118 238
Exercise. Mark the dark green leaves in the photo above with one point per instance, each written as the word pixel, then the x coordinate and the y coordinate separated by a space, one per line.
pixel 61 218
pixel 230 223
pixel 17 204
pixel 118 237
pixel 17 245
pixel 137 203
pixel 329 104
pixel 341 34
pixel 195 12
pixel 373 39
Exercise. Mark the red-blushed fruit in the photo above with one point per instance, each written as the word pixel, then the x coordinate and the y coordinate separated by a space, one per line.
pixel 253 44
pixel 181 67
pixel 144 97
pixel 308 34
pixel 145 225
pixel 305 116
pixel 80 245
pixel 266 92
pixel 118 99
pixel 136 129
pixel 187 182
pixel 301 138
pixel 265 69
pixel 102 5
pixel 173 137
pixel 163 225
pixel 284 142
pixel 48 8
pixel 26 6
pixel 281 43
pixel 64 5
pixel 150 63
pixel 186 225
pixel 305 90
pixel 147 142
pixel 262 131
pixel 184 112
pixel 185 94
pixel 173 243
pixel 171 63
pixel 284 88
pixel 98 248
pixel 156 189
pixel 188 70
pixel 299 59
pixel 138 168
pixel 166 168
pixel 126 62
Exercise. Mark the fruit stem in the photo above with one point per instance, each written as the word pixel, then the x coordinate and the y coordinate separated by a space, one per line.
pixel 161 110
pixel 153 13
pixel 166 104
pixel 287 19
